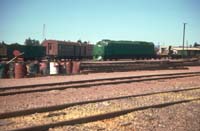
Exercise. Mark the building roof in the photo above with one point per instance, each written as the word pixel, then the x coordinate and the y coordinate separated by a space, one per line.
pixel 186 48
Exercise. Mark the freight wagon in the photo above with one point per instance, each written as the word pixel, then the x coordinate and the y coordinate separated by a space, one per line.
pixel 109 49
pixel 30 52
pixel 3 50
pixel 67 49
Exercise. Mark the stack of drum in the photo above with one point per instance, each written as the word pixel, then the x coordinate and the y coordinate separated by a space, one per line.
pixel 20 69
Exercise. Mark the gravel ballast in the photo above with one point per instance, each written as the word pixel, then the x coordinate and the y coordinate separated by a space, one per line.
pixel 178 117
pixel 98 108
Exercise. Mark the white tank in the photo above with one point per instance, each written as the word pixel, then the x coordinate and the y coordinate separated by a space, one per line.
pixel 54 68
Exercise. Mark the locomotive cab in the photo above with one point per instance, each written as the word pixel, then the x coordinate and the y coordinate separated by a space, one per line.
pixel 98 52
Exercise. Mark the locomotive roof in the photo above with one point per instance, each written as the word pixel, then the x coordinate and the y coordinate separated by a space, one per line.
pixel 105 42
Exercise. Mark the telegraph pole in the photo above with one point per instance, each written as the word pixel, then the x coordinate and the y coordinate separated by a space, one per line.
pixel 184 24
pixel 43 32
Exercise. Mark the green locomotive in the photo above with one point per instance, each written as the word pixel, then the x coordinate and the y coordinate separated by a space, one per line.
pixel 109 49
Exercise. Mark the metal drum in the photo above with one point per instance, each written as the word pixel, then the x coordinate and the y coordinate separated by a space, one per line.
pixel 44 68
pixel 11 72
pixel 68 67
pixel 32 68
pixel 62 67
pixel 54 68
pixel 19 70
pixel 76 67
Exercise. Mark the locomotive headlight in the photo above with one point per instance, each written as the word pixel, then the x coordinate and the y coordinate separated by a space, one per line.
pixel 99 58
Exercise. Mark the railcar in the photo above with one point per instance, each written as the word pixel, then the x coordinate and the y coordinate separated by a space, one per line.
pixel 67 49
pixel 30 52
pixel 109 49
pixel 3 50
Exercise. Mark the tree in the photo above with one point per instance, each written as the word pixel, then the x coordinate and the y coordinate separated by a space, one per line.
pixel 31 42
pixel 3 43
pixel 79 41
pixel 85 42
pixel 15 44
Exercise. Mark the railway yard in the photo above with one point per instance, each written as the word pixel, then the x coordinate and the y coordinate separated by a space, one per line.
pixel 99 65
pixel 159 99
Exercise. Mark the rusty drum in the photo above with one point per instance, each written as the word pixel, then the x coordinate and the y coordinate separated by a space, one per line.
pixel 68 67
pixel 76 67
pixel 19 70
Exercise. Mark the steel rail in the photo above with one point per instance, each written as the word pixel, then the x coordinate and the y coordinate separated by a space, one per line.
pixel 101 116
pixel 66 105
pixel 91 80
pixel 87 85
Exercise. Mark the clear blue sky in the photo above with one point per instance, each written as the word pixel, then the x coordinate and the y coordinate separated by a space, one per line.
pixel 158 21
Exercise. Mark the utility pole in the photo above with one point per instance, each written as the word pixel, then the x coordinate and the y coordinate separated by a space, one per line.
pixel 186 44
pixel 43 32
pixel 184 24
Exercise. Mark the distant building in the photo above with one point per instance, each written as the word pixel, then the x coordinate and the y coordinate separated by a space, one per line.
pixel 163 50
pixel 188 51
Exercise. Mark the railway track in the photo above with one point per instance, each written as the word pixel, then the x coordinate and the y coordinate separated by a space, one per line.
pixel 4 91
pixel 95 110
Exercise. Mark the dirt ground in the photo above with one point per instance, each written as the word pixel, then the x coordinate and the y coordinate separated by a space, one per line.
pixel 53 79
pixel 182 117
